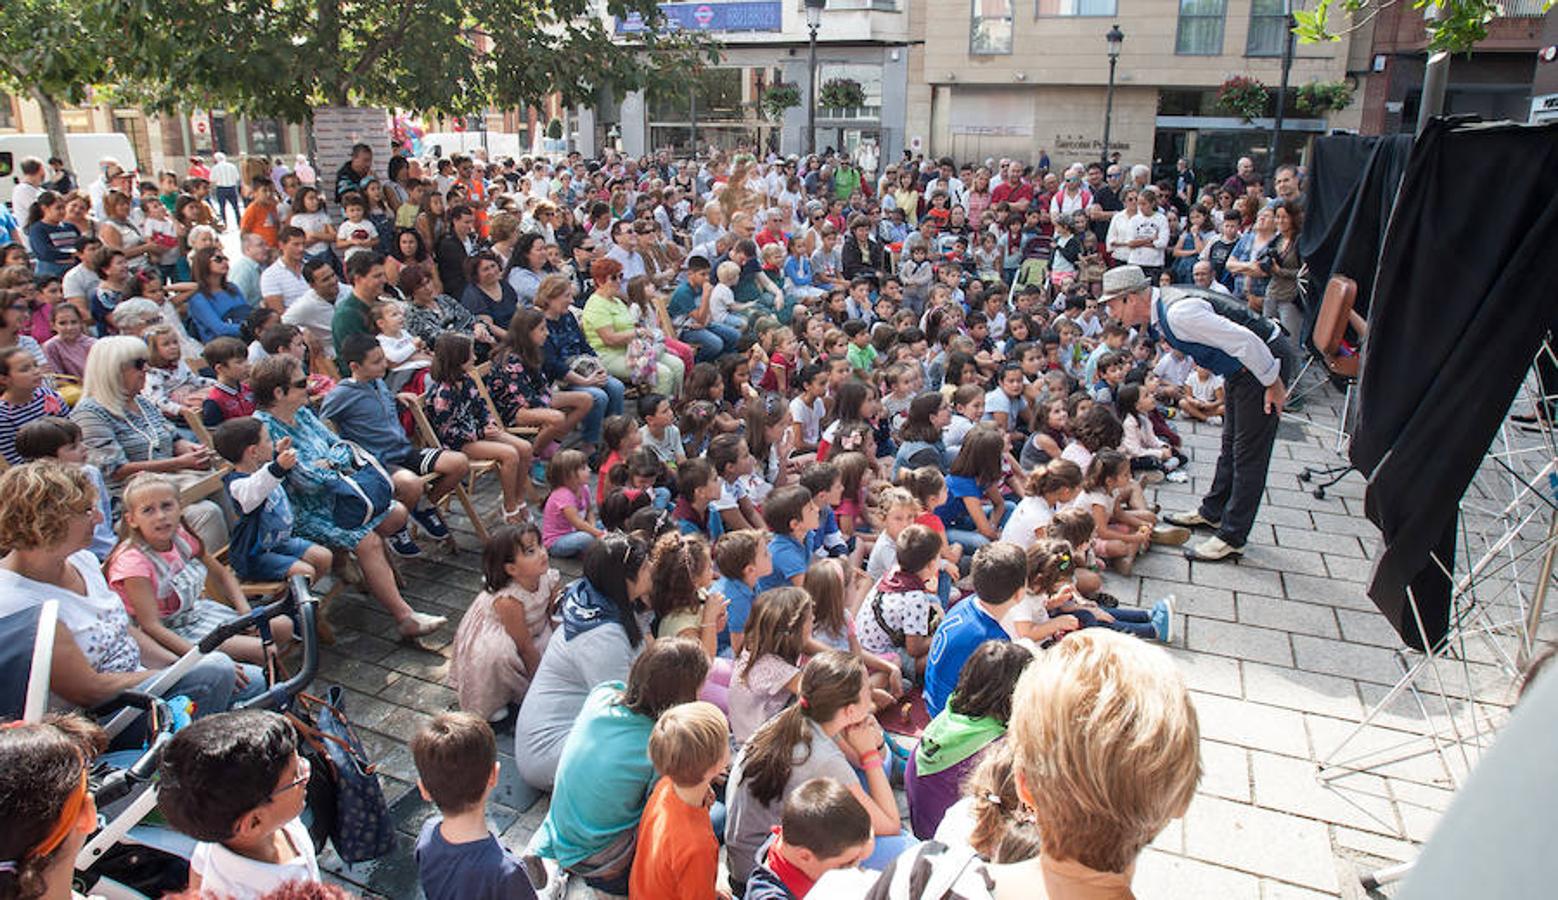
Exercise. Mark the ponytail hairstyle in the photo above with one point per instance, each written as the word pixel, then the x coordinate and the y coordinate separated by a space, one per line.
pixel 43 789
pixel 675 564
pixel 1074 526
pixel 1106 464
pixel 609 565
pixel 824 581
pixel 1051 563
pixel 1056 475
pixel 830 683
pixel 1001 820
pixel 776 626
pixel 925 484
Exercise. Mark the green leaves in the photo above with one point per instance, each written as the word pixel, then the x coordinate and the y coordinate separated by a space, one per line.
pixel 1461 25
pixel 283 58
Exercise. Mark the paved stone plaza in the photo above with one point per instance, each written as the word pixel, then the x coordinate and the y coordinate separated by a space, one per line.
pixel 1283 653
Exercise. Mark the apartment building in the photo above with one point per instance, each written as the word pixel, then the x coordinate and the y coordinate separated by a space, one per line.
pixel 994 78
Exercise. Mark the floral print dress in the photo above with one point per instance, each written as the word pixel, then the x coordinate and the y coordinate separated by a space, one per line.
pixel 308 483
pixel 457 412
pixel 516 386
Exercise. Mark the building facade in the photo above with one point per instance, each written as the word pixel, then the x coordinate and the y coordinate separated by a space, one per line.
pixel 1493 81
pixel 764 43
pixel 1014 78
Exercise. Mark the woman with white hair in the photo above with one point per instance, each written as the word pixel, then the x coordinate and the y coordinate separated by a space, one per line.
pixel 125 433
pixel 1106 751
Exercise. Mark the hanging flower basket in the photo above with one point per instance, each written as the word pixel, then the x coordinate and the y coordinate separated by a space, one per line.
pixel 778 98
pixel 841 93
pixel 1245 97
pixel 1320 97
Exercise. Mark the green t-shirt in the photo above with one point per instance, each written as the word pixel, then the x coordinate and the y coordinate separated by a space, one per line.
pixel 862 358
pixel 351 317
pixel 846 182
pixel 607 312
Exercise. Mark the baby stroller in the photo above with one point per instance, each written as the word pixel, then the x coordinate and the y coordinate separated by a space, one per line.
pixel 131 856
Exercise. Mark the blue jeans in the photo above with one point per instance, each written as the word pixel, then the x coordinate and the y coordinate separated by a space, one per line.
pixel 888 846
pixel 226 196
pixel 971 540
pixel 605 401
pixel 1136 622
pixel 706 343
pixel 572 544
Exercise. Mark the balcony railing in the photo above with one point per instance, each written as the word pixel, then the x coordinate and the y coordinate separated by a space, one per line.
pixel 1523 9
pixel 849 112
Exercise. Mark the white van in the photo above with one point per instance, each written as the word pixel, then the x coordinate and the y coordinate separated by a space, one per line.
pixel 85 151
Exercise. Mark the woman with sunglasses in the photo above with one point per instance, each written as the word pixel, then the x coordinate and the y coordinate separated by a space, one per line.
pixel 281 393
pixel 124 432
pixel 217 308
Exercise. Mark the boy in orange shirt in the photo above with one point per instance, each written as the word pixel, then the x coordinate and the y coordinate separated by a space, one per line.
pixel 677 854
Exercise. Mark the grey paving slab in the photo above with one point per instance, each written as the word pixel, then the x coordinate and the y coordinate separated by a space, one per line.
pixel 1302 691
pixel 1259 841
pixel 1244 641
pixel 1288 615
pixel 1252 725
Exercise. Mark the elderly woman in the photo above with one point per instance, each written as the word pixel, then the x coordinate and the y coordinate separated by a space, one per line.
pixel 125 433
pixel 281 393
pixel 527 267
pixel 565 346
pixel 611 323
pixel 430 312
pixel 46 524
pixel 1106 753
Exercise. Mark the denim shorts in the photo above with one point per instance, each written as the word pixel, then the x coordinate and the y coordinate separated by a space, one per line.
pixel 272 564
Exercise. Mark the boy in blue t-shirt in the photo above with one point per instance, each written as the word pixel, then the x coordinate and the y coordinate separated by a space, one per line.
pixel 742 558
pixel 1000 572
pixel 827 487
pixel 458 857
pixel 790 512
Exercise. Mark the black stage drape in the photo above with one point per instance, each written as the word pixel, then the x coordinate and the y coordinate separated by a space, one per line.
pixel 1351 191
pixel 1465 293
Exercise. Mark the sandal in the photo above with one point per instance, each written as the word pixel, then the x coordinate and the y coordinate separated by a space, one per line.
pixel 519 515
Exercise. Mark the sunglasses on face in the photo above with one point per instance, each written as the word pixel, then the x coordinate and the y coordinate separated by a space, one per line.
pixel 140 364
pixel 219 258
pixel 300 384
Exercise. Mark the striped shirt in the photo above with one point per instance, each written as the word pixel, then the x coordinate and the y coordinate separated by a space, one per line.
pixel 13 416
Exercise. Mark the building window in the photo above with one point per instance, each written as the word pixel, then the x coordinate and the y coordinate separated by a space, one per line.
pixel 990 30
pixel 1268 28
pixel 1200 27
pixel 1076 7
pixel 7 111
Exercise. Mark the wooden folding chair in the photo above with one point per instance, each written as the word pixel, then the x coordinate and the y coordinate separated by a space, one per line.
pixel 479 374
pixel 427 437
pixel 198 426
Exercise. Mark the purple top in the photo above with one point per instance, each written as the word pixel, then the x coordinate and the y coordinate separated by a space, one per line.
pixel 930 797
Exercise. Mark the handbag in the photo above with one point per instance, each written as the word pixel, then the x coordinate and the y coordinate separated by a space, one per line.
pixel 360 496
pixel 359 823
pixel 643 359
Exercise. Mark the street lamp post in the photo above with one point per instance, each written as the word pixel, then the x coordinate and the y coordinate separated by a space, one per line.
pixel 813 22
pixel 1288 25
pixel 1115 37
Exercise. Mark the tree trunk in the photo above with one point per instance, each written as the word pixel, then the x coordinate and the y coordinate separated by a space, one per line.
pixel 54 123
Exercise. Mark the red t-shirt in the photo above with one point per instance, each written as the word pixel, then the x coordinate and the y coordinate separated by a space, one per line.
pixel 613 459
pixel 932 521
pixel 1007 193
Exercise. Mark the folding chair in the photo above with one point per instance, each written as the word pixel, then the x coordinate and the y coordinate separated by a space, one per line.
pixel 480 374
pixel 1341 362
pixel 427 437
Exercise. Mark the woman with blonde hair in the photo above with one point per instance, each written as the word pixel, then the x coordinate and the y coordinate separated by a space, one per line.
pixel 125 433
pixel 1105 752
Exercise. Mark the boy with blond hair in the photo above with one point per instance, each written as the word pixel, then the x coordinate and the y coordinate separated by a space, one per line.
pixel 677 854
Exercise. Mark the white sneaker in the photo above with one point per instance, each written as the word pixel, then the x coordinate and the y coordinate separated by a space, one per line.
pixel 1213 549
pixel 1176 477
pixel 420 624
pixel 1214 420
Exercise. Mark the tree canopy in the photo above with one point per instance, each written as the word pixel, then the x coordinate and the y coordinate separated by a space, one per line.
pixel 286 57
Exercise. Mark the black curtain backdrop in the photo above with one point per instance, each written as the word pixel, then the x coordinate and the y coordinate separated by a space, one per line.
pixel 1351 192
pixel 1466 290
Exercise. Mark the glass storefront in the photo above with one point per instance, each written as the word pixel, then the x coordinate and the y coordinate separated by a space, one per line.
pixel 721 103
